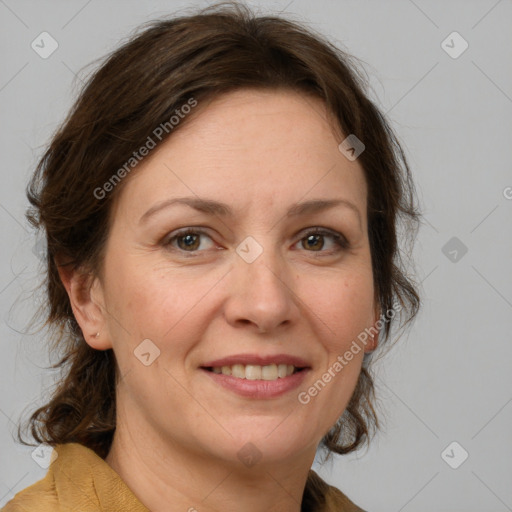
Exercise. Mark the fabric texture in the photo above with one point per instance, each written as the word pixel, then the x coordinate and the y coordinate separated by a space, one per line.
pixel 78 480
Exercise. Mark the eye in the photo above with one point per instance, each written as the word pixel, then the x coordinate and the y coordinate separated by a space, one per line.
pixel 188 240
pixel 314 240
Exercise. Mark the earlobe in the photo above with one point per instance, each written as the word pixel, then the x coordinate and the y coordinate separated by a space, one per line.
pixel 375 330
pixel 82 289
pixel 378 325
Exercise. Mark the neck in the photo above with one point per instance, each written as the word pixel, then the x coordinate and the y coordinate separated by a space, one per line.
pixel 163 473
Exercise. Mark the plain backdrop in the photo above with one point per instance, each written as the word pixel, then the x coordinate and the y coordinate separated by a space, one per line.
pixel 449 380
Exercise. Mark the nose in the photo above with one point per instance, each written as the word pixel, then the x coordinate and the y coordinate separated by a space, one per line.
pixel 262 294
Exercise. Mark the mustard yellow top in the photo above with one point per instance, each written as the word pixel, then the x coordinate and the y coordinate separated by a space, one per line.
pixel 80 480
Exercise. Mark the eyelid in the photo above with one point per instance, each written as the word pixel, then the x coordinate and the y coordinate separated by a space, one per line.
pixel 170 237
pixel 338 238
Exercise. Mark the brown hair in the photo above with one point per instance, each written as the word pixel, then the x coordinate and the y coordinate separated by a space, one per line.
pixel 139 87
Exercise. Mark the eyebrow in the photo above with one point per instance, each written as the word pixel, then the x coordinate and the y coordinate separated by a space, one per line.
pixel 211 207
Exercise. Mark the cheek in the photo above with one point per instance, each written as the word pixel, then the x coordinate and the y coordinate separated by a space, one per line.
pixel 147 301
pixel 342 312
pixel 344 306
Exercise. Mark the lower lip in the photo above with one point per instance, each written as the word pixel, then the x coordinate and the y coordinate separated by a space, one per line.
pixel 259 389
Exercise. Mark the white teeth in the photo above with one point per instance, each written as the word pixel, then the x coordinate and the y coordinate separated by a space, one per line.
pixel 256 372
pixel 252 372
pixel 269 372
pixel 238 370
pixel 282 371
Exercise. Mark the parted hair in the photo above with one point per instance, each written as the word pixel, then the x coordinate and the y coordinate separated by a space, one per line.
pixel 138 87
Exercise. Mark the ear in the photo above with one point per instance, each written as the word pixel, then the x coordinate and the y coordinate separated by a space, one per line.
pixel 374 340
pixel 87 302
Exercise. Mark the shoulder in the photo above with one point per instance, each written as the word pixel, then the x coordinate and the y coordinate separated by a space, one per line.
pixel 38 497
pixel 326 498
pixel 77 479
pixel 46 494
pixel 67 483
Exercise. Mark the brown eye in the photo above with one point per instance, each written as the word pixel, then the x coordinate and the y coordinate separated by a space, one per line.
pixel 313 242
pixel 189 241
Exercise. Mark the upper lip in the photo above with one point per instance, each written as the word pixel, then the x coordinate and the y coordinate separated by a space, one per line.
pixel 257 359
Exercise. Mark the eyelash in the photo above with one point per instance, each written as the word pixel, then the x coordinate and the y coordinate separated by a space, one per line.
pixel 338 238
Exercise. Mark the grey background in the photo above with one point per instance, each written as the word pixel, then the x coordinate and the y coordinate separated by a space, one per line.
pixel 450 378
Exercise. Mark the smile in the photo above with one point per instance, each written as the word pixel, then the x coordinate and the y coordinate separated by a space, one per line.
pixel 257 376
pixel 256 372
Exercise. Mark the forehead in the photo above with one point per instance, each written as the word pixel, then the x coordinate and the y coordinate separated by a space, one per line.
pixel 250 146
pixel 276 120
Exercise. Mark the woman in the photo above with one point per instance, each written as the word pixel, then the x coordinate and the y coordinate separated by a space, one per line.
pixel 220 209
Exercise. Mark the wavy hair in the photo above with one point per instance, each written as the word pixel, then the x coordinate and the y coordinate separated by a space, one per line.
pixel 139 86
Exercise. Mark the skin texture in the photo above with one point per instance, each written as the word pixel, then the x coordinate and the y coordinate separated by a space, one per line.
pixel 178 432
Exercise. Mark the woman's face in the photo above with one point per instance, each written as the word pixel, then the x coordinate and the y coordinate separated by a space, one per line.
pixel 243 272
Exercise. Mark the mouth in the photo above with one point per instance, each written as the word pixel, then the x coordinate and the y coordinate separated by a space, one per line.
pixel 258 377
pixel 268 372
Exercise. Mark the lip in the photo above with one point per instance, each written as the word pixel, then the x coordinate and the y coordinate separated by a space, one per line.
pixel 257 359
pixel 258 389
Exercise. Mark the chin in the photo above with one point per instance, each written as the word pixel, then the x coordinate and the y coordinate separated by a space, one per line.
pixel 266 440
